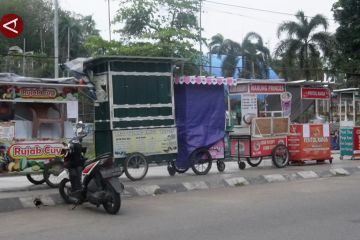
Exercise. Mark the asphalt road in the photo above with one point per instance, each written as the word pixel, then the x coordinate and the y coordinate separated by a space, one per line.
pixel 313 209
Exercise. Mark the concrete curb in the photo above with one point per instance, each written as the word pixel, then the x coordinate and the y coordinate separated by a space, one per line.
pixel 16 203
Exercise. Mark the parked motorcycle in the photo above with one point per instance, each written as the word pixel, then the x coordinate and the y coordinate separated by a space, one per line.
pixel 95 181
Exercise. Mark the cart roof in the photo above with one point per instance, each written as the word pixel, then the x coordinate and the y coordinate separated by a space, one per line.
pixel 346 90
pixel 97 60
pixel 282 81
pixel 202 80
pixel 14 79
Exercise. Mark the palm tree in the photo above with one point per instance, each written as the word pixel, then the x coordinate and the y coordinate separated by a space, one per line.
pixel 256 57
pixel 221 46
pixel 304 45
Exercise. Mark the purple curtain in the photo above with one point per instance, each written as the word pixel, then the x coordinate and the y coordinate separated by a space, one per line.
pixel 200 118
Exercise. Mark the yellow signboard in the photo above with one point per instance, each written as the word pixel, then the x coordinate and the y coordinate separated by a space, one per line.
pixel 146 141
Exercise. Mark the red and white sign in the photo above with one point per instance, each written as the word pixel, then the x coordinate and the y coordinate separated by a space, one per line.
pixel 35 150
pixel 309 142
pixel 239 89
pixel 267 88
pixel 30 92
pixel 11 25
pixel 315 93
pixel 240 147
pixel 356 141
pixel 264 146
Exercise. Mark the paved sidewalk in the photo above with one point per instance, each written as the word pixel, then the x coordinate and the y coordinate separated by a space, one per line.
pixel 17 192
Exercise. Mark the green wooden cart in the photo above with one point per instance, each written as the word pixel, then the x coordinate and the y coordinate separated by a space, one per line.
pixel 134 111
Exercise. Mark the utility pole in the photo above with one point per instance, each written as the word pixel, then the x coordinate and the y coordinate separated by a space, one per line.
pixel 200 40
pixel 68 48
pixel 109 20
pixel 24 60
pixel 56 40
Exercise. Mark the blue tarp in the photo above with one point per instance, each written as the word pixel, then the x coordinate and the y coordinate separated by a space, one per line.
pixel 200 118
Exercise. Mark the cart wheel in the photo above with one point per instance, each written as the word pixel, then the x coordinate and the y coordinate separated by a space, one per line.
pixel 254 162
pixel 52 171
pixel 35 178
pixel 136 166
pixel 242 165
pixel 171 170
pixel 220 165
pixel 179 169
pixel 280 156
pixel 201 161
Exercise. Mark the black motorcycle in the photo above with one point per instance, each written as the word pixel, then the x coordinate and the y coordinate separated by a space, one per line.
pixel 95 181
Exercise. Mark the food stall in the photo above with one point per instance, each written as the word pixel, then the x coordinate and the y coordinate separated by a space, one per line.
pixel 286 120
pixel 134 111
pixel 36 116
pixel 309 137
pixel 346 113
pixel 200 120
pixel 259 128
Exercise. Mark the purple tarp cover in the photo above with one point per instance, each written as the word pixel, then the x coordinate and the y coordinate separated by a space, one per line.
pixel 200 118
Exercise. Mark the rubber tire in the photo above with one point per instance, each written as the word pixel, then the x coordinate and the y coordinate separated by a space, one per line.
pixel 47 173
pixel 287 158
pixel 34 181
pixel 249 161
pixel 194 160
pixel 117 202
pixel 177 169
pixel 62 192
pixel 220 166
pixel 242 165
pixel 171 170
pixel 126 166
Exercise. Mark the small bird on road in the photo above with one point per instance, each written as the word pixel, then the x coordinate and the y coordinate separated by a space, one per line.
pixel 37 202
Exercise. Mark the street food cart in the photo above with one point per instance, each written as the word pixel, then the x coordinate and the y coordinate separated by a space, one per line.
pixel 200 121
pixel 284 120
pixel 134 111
pixel 258 129
pixel 309 137
pixel 346 116
pixel 36 116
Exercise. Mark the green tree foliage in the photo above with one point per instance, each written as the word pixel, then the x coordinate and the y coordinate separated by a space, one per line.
pixel 166 28
pixel 304 46
pixel 347 60
pixel 38 34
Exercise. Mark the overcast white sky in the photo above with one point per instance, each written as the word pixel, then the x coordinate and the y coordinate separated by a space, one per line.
pixel 232 22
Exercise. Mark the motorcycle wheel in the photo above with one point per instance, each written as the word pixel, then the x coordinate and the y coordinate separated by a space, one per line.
pixel 65 189
pixel 36 179
pixel 112 205
pixel 52 171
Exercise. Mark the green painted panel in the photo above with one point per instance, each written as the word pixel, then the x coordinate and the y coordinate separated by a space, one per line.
pixel 142 112
pixel 103 142
pixel 99 126
pixel 119 66
pixel 141 89
pixel 146 123
pixel 102 111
